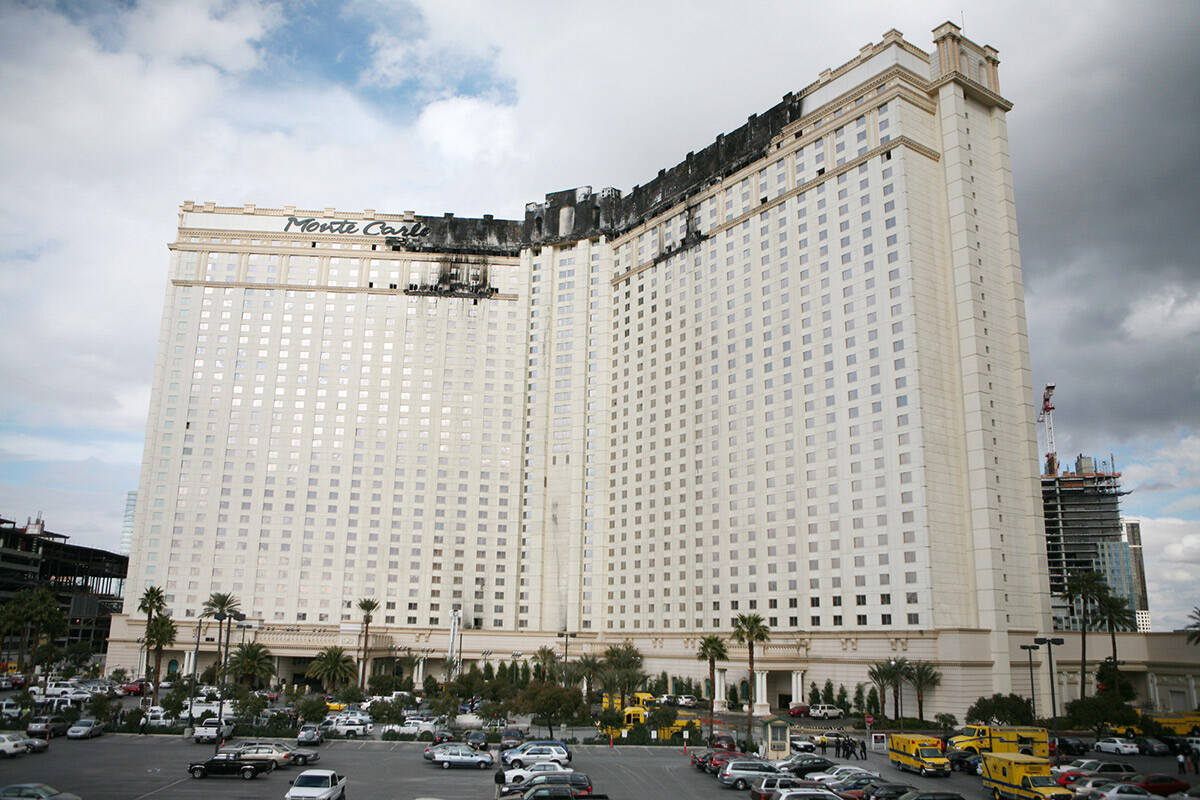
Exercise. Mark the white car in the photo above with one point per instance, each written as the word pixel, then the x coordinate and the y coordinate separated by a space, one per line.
pixel 825 711
pixel 317 784
pixel 541 768
pixel 530 753
pixel 12 744
pixel 805 793
pixel 687 701
pixel 838 774
pixel 1121 791
pixel 1122 747
pixel 802 743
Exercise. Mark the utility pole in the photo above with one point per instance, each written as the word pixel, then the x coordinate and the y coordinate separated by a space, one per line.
pixel 1029 648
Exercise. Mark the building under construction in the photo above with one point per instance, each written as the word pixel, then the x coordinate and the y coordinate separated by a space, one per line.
pixel 1085 533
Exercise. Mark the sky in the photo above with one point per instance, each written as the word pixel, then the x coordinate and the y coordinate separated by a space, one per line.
pixel 116 112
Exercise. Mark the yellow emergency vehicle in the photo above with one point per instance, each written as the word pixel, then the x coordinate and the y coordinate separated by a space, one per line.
pixel 994 739
pixel 917 753
pixel 1013 776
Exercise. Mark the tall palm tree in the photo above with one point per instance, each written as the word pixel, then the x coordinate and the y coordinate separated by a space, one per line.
pixel 1193 626
pixel 880 674
pixel 1084 589
pixel 588 667
pixel 547 660
pixel 712 649
pixel 220 605
pixel 152 602
pixel 1113 612
pixel 368 606
pixel 624 661
pixel 901 672
pixel 750 629
pixel 332 666
pixel 160 634
pixel 251 662
pixel 41 613
pixel 923 676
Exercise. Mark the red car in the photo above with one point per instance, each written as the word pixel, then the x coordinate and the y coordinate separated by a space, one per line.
pixel 1158 784
pixel 723 741
pixel 1070 776
pixel 138 687
pixel 798 711
pixel 719 757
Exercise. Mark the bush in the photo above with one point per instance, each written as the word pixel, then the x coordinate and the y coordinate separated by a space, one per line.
pixel 390 736
pixel 425 736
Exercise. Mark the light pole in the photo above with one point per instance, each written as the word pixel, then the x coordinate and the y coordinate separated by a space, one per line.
pixel 899 694
pixel 566 637
pixel 1029 648
pixel 195 668
pixel 1051 643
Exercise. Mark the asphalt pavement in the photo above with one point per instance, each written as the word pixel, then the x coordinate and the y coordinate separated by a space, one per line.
pixel 132 767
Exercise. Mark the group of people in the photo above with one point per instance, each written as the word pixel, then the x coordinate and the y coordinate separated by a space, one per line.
pixel 1188 757
pixel 845 747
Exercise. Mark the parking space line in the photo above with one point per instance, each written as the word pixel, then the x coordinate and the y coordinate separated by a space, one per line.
pixel 161 789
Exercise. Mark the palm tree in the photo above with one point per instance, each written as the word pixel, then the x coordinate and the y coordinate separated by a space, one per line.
pixel 624 662
pixel 40 611
pixel 1193 626
pixel 250 662
pixel 750 629
pixel 588 668
pixel 220 605
pixel 923 676
pixel 712 649
pixel 1114 611
pixel 152 602
pixel 547 660
pixel 332 666
pixel 368 606
pixel 880 674
pixel 1084 588
pixel 160 634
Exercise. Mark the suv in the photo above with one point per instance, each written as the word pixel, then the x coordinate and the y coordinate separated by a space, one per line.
pixel 825 711
pixel 45 727
pixel 580 784
pixel 740 773
pixel 532 753
pixel 351 727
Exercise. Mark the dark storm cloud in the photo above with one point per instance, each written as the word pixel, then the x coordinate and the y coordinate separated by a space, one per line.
pixel 1107 172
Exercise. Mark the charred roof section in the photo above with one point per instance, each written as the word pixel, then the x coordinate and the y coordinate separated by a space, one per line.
pixel 465 236
pixel 580 214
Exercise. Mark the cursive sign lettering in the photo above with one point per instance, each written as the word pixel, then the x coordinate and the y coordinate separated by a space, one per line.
pixel 375 228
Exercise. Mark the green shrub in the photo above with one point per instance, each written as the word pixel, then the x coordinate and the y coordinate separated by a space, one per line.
pixel 390 736
pixel 425 736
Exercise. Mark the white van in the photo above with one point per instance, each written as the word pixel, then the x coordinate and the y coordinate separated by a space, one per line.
pixel 56 688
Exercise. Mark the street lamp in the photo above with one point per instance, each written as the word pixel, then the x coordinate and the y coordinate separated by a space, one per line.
pixel 566 637
pixel 1050 644
pixel 1029 648
pixel 195 667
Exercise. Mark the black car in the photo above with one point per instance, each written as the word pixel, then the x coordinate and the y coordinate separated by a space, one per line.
pixel 229 764
pixel 443 735
pixel 700 759
pixel 577 782
pixel 809 764
pixel 478 740
pixel 1069 746
pixel 962 760
pixel 1151 747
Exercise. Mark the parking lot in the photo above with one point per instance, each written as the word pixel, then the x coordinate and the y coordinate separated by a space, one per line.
pixel 129 767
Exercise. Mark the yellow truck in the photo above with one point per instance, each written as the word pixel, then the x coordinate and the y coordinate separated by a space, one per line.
pixel 642 699
pixel 1184 723
pixel 1014 776
pixel 636 715
pixel 994 739
pixel 917 753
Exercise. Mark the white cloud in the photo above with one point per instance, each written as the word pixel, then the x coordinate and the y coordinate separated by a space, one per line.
pixel 469 129
pixel 1166 314
pixel 1171 548
pixel 219 33
pixel 16 446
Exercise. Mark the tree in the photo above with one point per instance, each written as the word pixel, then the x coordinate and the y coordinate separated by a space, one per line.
pixel 879 674
pixel 750 629
pixel 1082 591
pixel 1113 612
pixel 1193 626
pixel 589 668
pixel 814 694
pixel 160 634
pixel 946 722
pixel 545 660
pixel 1101 712
pixel 152 603
pixel 119 675
pixel 332 666
pixel 1109 680
pixel 368 606
pixel 251 663
pixel 220 606
pixel 843 699
pixel 549 703
pixel 43 616
pixel 1001 709
pixel 873 702
pixel 311 709
pixel 923 676
pixel 860 699
pixel 827 696
pixel 712 649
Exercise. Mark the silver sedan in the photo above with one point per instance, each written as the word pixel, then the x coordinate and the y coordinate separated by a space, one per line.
pixel 462 756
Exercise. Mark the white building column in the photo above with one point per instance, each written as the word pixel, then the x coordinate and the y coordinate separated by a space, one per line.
pixel 419 675
pixel 797 686
pixel 1191 684
pixel 720 701
pixel 1152 686
pixel 188 661
pixel 762 706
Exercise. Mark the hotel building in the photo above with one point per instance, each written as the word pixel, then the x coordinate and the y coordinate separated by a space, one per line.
pixel 788 376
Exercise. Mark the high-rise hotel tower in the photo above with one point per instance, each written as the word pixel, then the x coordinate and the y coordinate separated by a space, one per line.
pixel 787 376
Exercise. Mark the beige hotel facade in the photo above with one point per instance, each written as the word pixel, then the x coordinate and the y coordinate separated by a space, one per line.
pixel 788 376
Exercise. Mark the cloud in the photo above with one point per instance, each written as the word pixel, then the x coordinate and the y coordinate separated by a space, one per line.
pixel 1171 548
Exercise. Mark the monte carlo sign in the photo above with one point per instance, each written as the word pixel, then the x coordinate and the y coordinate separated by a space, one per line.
pixel 350 226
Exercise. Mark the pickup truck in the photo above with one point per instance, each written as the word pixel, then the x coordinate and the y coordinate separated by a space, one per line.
pixel 210 731
pixel 350 727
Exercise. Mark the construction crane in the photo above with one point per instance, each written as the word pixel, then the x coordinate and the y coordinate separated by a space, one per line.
pixel 1047 416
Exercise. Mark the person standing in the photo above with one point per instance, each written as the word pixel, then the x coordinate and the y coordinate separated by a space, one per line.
pixel 862 749
pixel 143 723
pixel 1181 760
pixel 824 743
